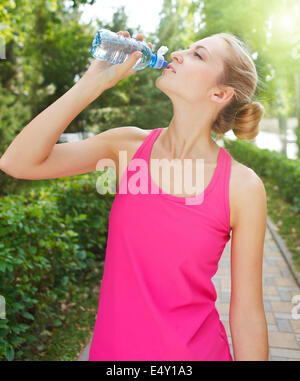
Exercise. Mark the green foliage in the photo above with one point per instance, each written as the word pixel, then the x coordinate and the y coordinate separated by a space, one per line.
pixel 48 239
pixel 14 112
pixel 146 117
pixel 280 171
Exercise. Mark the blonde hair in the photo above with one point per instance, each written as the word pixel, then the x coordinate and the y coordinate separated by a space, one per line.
pixel 241 114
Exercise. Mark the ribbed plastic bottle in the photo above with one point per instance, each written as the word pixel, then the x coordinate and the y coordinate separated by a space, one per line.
pixel 115 48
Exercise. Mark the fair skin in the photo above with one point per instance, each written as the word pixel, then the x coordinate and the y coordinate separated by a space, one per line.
pixel 196 100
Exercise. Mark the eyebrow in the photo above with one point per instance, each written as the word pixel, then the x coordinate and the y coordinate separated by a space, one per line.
pixel 201 46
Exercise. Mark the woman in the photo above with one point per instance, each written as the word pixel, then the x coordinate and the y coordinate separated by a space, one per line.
pixel 157 299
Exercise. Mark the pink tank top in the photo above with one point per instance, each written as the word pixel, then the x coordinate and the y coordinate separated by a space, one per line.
pixel 157 299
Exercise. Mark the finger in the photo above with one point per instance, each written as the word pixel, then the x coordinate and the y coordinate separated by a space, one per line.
pixel 139 37
pixel 129 63
pixel 124 33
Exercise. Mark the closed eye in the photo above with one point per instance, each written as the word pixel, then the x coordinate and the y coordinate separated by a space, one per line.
pixel 196 54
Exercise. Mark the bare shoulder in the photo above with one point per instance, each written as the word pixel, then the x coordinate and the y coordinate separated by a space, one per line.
pixel 125 138
pixel 131 133
pixel 244 176
pixel 245 188
pixel 126 134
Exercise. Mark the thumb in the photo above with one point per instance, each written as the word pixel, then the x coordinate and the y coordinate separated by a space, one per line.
pixel 131 60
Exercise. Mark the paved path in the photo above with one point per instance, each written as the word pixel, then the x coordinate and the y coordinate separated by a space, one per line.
pixel 279 286
pixel 278 289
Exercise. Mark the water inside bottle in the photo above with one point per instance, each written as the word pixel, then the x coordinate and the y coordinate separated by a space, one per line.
pixel 117 49
pixel 112 51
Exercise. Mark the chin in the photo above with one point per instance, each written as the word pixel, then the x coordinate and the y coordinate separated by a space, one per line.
pixel 166 90
pixel 161 84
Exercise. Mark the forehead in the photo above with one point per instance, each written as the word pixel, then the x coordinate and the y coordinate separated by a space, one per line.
pixel 215 46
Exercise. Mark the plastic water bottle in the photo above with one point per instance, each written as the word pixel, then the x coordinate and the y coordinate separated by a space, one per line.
pixel 115 48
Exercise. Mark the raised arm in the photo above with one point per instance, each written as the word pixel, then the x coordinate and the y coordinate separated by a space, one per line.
pixel 34 154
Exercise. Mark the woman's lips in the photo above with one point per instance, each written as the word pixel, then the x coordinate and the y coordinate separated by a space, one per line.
pixel 170 66
pixel 167 69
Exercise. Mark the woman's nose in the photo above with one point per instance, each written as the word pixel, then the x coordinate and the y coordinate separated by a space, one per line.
pixel 176 55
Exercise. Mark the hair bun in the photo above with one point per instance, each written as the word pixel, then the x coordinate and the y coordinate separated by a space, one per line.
pixel 246 122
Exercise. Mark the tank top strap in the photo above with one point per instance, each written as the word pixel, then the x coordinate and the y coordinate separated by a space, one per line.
pixel 221 189
pixel 227 172
pixel 222 165
pixel 145 148
pixel 141 153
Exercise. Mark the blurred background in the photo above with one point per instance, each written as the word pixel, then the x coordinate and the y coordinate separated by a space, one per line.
pixel 53 232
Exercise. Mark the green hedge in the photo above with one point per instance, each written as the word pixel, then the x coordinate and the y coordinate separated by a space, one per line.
pixel 48 238
pixel 147 116
pixel 272 165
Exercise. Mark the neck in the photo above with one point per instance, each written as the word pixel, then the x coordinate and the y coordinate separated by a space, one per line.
pixel 189 134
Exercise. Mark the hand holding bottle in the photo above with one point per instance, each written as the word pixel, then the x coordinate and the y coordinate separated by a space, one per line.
pixel 109 74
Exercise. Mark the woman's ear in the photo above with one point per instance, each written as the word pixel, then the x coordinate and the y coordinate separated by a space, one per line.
pixel 222 94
